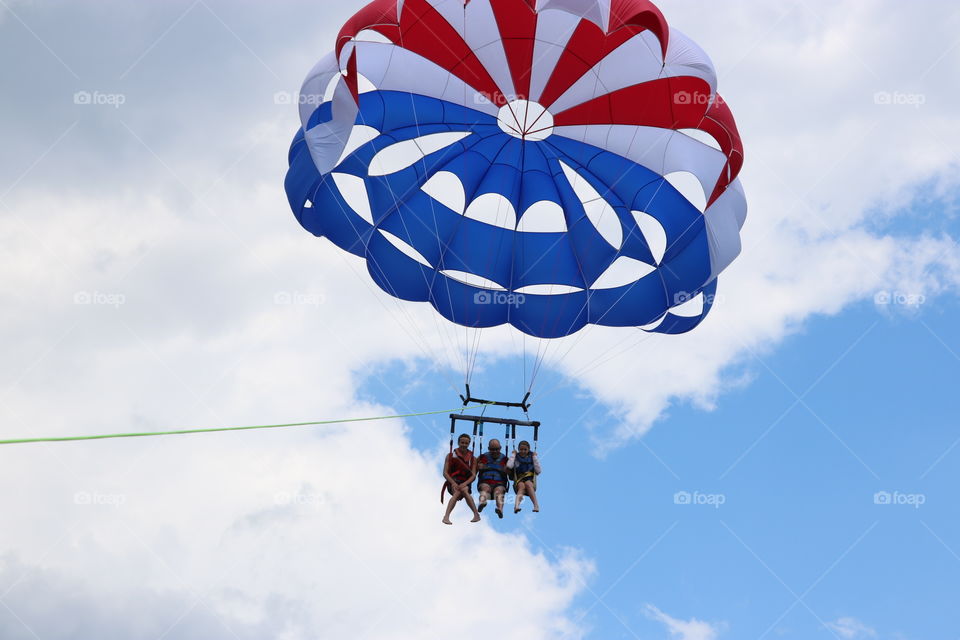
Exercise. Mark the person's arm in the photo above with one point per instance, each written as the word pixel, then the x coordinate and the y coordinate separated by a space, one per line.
pixel 446 470
pixel 512 460
pixel 536 463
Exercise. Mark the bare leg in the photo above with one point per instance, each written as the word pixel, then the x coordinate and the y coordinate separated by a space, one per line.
pixel 451 503
pixel 533 496
pixel 521 488
pixel 472 505
pixel 484 496
pixel 499 494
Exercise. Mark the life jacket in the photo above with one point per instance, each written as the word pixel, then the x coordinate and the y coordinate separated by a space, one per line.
pixel 460 470
pixel 492 470
pixel 523 468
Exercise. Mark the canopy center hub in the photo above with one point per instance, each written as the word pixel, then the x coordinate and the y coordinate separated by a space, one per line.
pixel 526 120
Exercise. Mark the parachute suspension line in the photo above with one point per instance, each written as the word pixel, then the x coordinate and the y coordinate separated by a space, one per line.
pixel 583 333
pixel 492 259
pixel 397 202
pixel 180 432
pixel 474 439
pixel 426 349
pixel 483 412
pixel 600 360
pixel 419 340
pixel 453 429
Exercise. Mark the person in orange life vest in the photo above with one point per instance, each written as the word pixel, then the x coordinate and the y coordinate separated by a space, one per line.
pixel 492 476
pixel 459 470
pixel 526 467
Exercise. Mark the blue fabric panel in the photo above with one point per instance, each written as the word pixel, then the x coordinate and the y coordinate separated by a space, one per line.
pixel 491 161
pixel 632 305
pixel 675 325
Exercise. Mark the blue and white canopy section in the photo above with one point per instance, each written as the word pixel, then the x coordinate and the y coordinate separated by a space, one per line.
pixel 474 159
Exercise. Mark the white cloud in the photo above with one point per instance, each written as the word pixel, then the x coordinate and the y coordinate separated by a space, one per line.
pixel 826 166
pixel 202 338
pixel 692 629
pixel 851 629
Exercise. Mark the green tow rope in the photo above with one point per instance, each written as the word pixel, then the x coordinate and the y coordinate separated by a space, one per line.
pixel 217 429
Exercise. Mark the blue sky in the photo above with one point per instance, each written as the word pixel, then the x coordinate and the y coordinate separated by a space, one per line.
pixel 799 540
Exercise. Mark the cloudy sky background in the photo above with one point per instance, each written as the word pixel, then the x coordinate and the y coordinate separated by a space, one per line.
pixel 796 402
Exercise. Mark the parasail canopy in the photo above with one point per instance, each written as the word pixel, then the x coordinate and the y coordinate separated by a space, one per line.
pixel 546 165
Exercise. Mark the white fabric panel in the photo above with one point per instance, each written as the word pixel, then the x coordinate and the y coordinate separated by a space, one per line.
pixel 473 280
pixel 598 210
pixel 370 35
pixel 494 209
pixel 689 187
pixel 392 68
pixel 345 54
pixel 554 29
pixel 359 136
pixel 663 151
pixel 646 146
pixel 354 192
pixel 655 324
pixel 547 290
pixel 314 92
pixel 686 58
pixel 596 11
pixel 636 61
pixel 622 272
pixel 686 154
pixel 327 141
pixel 483 36
pixel 724 219
pixel 452 11
pixel 401 155
pixel 405 248
pixel 543 217
pixel 653 233
pixel 692 308
pixel 702 137
pixel 447 189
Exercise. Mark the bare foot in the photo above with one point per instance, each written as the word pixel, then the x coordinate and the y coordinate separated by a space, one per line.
pixel 445 521
pixel 476 518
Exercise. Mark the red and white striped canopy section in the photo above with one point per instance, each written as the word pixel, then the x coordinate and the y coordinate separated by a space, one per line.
pixel 591 120
pixel 587 63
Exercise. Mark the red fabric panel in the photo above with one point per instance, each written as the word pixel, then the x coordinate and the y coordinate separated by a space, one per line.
pixel 669 103
pixel 589 45
pixel 517 22
pixel 424 31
